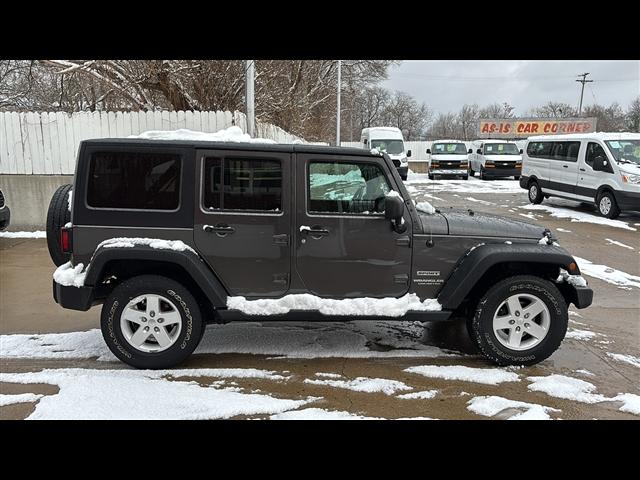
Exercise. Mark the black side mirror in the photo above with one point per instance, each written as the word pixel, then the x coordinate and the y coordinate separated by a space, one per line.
pixel 521 151
pixel 479 151
pixel 600 164
pixel 429 150
pixel 394 210
pixel 470 150
pixel 408 153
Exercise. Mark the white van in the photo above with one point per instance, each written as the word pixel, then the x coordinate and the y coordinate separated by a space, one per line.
pixel 391 141
pixel 496 158
pixel 598 168
pixel 449 158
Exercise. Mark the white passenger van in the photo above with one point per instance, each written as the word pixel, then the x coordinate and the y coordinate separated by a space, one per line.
pixel 449 158
pixel 598 168
pixel 391 141
pixel 496 158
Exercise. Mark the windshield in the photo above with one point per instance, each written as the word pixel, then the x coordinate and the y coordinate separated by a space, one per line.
pixel 449 149
pixel 625 151
pixel 501 149
pixel 393 147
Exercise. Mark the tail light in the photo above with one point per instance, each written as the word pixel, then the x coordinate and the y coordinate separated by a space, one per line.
pixel 66 238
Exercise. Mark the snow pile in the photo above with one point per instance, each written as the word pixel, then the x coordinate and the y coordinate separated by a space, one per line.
pixel 608 274
pixel 561 386
pixel 619 244
pixel 424 395
pixel 394 193
pixel 364 306
pixel 36 234
pixel 127 242
pixel 70 276
pixel 630 359
pixel 580 334
pixel 490 406
pixel 19 398
pixel 98 394
pixel 375 151
pixel 231 134
pixel 319 414
pixel 328 375
pixel 363 384
pixel 425 207
pixel 488 376
pixel 631 402
pixel 577 216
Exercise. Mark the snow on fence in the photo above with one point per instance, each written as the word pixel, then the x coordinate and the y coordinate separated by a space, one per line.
pixel 47 143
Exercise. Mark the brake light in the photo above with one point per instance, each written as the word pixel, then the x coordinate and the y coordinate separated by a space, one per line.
pixel 65 240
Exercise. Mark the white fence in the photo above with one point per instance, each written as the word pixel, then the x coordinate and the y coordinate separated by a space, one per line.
pixel 47 143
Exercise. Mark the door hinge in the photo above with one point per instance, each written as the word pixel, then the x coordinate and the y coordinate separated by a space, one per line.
pixel 403 241
pixel 281 239
pixel 402 279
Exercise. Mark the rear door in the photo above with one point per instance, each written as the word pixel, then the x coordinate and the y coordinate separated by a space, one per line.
pixel 564 166
pixel 242 219
pixel 344 245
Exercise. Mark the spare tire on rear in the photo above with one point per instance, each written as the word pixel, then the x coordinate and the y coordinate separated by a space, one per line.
pixel 58 216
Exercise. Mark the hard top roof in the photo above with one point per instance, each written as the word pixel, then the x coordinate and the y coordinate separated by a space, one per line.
pixel 597 135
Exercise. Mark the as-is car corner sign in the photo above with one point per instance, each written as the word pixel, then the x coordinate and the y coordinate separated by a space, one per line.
pixel 524 127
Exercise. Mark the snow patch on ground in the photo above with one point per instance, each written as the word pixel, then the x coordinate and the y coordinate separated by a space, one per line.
pixel 561 386
pixel 608 274
pixel 70 276
pixel 583 371
pixel 98 394
pixel 421 181
pixel 363 384
pixel 488 376
pixel 630 359
pixel 563 230
pixel 19 398
pixel 483 202
pixel 424 395
pixel 577 216
pixel 619 244
pixel 387 307
pixel 577 334
pixel 490 406
pixel 631 403
pixel 231 134
pixel 157 243
pixel 319 414
pixel 36 234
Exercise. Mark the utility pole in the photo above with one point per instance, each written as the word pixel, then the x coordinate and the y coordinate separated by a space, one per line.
pixel 338 109
pixel 583 81
pixel 249 96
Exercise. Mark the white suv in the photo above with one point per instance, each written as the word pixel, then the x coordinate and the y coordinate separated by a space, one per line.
pixel 598 168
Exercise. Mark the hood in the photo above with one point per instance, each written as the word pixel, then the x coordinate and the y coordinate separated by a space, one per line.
pixel 503 158
pixel 631 169
pixel 445 157
pixel 479 224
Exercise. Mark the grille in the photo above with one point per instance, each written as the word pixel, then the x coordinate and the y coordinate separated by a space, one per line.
pixel 505 164
pixel 396 163
pixel 1 199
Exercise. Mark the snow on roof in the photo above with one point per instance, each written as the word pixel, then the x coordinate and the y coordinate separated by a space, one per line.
pixel 494 140
pixel 597 136
pixel 231 134
pixel 389 129
pixel 448 141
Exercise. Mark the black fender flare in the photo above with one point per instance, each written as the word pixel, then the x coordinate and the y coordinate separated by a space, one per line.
pixel 479 259
pixel 190 262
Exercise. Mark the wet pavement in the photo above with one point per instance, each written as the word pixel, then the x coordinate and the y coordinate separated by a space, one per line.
pixel 612 326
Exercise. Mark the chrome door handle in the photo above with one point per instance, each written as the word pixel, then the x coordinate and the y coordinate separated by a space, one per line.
pixel 314 231
pixel 222 230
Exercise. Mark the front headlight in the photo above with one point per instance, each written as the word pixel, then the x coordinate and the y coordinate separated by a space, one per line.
pixel 404 160
pixel 627 178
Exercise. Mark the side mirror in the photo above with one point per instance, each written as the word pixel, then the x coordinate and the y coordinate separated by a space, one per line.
pixel 394 210
pixel 408 153
pixel 521 151
pixel 428 150
pixel 479 151
pixel 600 164
pixel 470 150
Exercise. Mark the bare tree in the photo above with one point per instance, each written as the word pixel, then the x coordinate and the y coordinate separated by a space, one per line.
pixel 633 116
pixel 554 110
pixel 610 119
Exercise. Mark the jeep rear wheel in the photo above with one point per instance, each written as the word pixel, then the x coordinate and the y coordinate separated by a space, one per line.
pixel 150 321
pixel 520 321
pixel 535 194
pixel 58 216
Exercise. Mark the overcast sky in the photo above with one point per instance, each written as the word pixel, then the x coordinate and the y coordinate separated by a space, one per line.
pixel 446 85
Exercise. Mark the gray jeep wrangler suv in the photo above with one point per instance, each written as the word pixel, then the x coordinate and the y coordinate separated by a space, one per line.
pixel 171 235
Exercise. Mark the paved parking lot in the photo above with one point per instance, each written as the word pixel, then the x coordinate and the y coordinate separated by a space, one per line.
pixel 55 365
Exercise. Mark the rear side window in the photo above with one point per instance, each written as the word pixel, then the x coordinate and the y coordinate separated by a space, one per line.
pixel 242 184
pixel 131 180
pixel 565 151
pixel 539 149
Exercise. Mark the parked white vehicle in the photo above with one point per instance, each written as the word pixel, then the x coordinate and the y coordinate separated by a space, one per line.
pixel 449 158
pixel 598 168
pixel 496 158
pixel 391 141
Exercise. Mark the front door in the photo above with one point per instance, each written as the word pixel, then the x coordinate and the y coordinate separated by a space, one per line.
pixel 590 179
pixel 242 220
pixel 344 245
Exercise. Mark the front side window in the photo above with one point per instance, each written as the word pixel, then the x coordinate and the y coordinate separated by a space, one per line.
pixel 242 184
pixel 625 151
pixel 565 151
pixel 346 188
pixel 449 149
pixel 393 147
pixel 500 149
pixel 594 150
pixel 131 180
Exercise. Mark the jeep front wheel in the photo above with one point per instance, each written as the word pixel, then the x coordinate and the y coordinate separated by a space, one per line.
pixel 150 321
pixel 520 321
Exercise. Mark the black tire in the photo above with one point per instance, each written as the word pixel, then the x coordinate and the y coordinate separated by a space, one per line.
pixel 535 194
pixel 404 177
pixel 186 342
pixel 471 172
pixel 430 177
pixel 481 325
pixel 516 177
pixel 482 174
pixel 466 177
pixel 607 199
pixel 58 216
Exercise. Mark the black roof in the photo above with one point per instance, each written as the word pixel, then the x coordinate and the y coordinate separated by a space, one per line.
pixel 258 147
